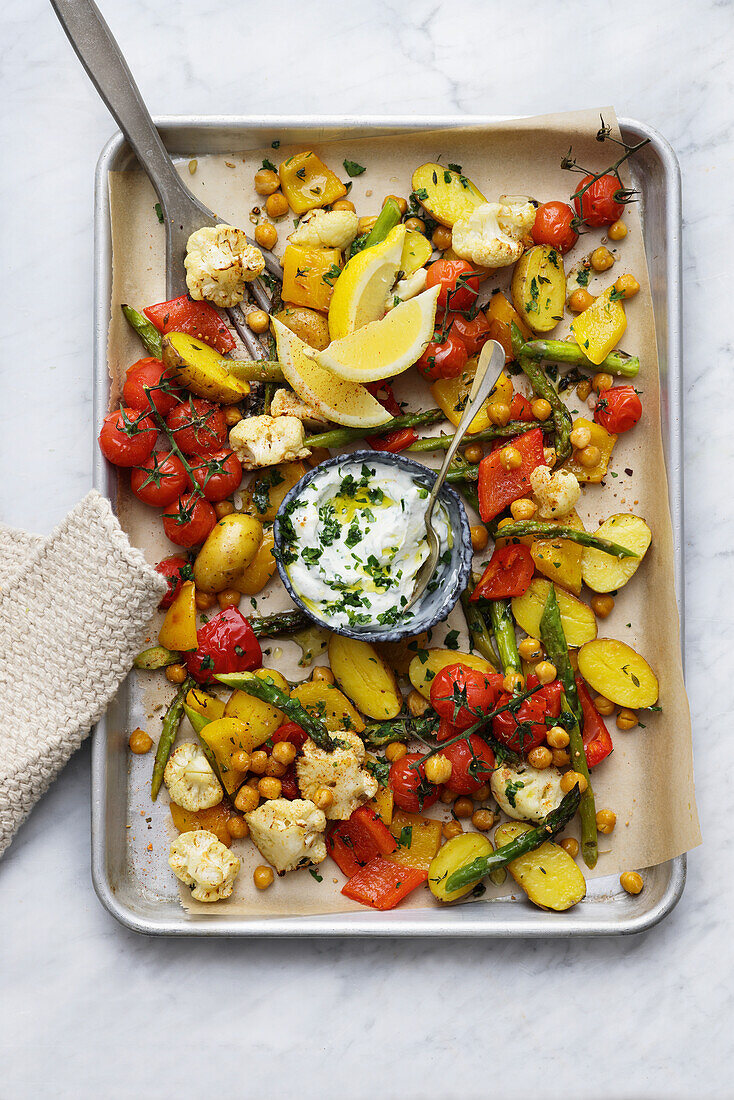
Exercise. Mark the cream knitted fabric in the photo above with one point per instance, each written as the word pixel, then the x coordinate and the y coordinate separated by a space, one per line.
pixel 74 608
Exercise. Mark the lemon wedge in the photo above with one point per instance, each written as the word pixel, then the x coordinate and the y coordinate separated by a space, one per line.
pixel 387 347
pixel 360 291
pixel 340 401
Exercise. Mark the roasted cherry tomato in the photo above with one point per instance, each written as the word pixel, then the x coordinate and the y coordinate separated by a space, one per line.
pixel 218 475
pixel 227 643
pixel 159 480
pixel 411 790
pixel 555 224
pixel 473 332
pixel 128 437
pixel 194 318
pixel 149 377
pixel 176 570
pixel 603 202
pixel 526 728
pixel 189 521
pixel 290 731
pixel 520 409
pixel 618 409
pixel 443 360
pixel 458 281
pixel 462 695
pixel 472 763
pixel 289 783
pixel 508 574
pixel 198 427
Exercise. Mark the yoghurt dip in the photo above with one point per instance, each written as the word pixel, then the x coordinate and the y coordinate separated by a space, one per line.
pixel 354 540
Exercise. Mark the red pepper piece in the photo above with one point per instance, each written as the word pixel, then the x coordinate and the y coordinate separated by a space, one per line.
pixel 498 487
pixel 290 731
pixel 382 885
pixel 379 833
pixel 227 643
pixel 508 574
pixel 359 839
pixel 520 408
pixel 195 319
pixel 596 737
pixel 393 441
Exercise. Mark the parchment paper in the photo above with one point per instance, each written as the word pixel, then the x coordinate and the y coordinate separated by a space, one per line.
pixel 648 780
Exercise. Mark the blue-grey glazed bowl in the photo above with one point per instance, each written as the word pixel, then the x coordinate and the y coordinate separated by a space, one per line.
pixel 453 576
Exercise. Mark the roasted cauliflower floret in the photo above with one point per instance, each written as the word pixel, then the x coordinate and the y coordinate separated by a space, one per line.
pixel 525 793
pixel 219 262
pixel 287 403
pixel 267 440
pixel 492 234
pixel 190 779
pixel 556 492
pixel 199 860
pixel 325 229
pixel 405 289
pixel 340 771
pixel 288 833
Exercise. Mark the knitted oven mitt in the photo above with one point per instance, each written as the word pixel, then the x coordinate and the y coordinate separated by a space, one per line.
pixel 74 608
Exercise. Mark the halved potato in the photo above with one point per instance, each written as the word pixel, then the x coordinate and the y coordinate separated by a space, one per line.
pixel 365 677
pixel 417 251
pixel 458 852
pixel 229 548
pixel 548 875
pixel 618 672
pixel 399 654
pixel 201 369
pixel 539 287
pixel 605 573
pixel 446 195
pixel 328 703
pixel 577 619
pixel 308 324
pixel 560 559
pixel 425 666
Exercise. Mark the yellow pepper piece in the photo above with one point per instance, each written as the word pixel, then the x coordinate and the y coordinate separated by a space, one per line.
pixel 451 395
pixel 500 314
pixel 417 251
pixel 208 706
pixel 560 559
pixel 599 328
pixel 423 839
pixel 600 438
pixel 382 804
pixel 307 183
pixel 179 626
pixel 264 495
pixel 309 275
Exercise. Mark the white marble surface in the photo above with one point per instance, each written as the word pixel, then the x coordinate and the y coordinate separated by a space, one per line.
pixel 90 1010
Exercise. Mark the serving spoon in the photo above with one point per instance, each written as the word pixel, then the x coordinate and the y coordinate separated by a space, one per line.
pixel 182 213
pixel 490 367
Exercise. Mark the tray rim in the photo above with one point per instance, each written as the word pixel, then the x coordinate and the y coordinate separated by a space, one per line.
pixel 456 921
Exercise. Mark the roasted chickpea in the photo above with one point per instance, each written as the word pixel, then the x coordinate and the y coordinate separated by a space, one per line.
pixel 627 286
pixel 549 456
pixel 580 437
pixel 605 821
pixel 270 787
pixel 524 508
pixel 446 797
pixel 474 453
pixel 284 752
pixel 258 761
pixel 258 321
pixel 402 203
pixel 140 742
pixel 546 672
pixel 266 235
pixel 323 674
pixel 323 798
pixel 631 882
pixel 560 758
pixel 263 877
pixel 540 757
pixel 451 829
pixel 396 750
pixel 530 649
pixel 580 300
pixel 229 597
pixel 510 458
pixel 601 382
pixel 344 204
pixel 479 536
pixel 232 415
pixel 417 705
pixel 557 737
pixel 604 706
pixel 499 413
pixel 246 799
pixel 365 225
pixel 276 205
pixel 274 768
pixel 589 456
pixel 441 238
pixel 463 807
pixel 570 845
pixel 176 673
pixel 503 523
pixel 416 224
pixel 617 231
pixel 438 769
pixel 482 793
pixel 569 780
pixel 541 408
pixel 266 182
pixel 513 681
pixel 601 258
pixel 204 601
pixel 241 760
pixel 223 508
pixel 583 389
pixel 602 605
pixel 482 820
pixel 237 826
pixel 626 719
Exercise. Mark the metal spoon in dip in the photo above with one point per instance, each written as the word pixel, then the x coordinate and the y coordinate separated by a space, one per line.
pixel 490 367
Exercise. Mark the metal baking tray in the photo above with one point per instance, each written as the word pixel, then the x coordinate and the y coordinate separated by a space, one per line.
pixel 147 900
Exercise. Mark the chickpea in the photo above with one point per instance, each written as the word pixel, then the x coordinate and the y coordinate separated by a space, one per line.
pixel 258 321
pixel 626 719
pixel 482 793
pixel 549 456
pixel 396 750
pixel 263 877
pixel 524 508
pixel 452 829
pixel 557 737
pixel 402 203
pixel 479 536
pixel 570 845
pixel 258 761
pixel 266 235
pixel 223 508
pixel 589 456
pixel 541 408
pixel 232 415
pixel 540 757
pixel 416 224
pixel 323 798
pixel 503 523
pixel 546 672
pixel 513 681
pixel 569 780
pixel 483 820
pixel 627 286
pixel 605 821
pixel 580 437
pixel 499 413
pixel 270 787
pixel 241 760
pixel 284 752
pixel 617 231
pixel 252 782
pixel 438 769
pixel 274 769
pixel 601 258
pixel 510 458
pixel 205 601
pixel 276 205
pixel 228 597
pixel 344 204
pixel 601 382
pixel 580 300
pixel 602 606
pixel 583 389
pixel 246 799
pixel 176 673
pixel 604 706
pixel 463 807
pixel 446 797
pixel 530 649
pixel 631 882
pixel 441 238
pixel 417 705
pixel 560 758
pixel 364 225
pixel 474 453
pixel 237 827
pixel 267 182
pixel 323 674
pixel 140 742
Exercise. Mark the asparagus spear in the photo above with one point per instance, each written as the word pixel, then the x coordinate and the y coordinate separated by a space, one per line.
pixel 339 437
pixel 387 219
pixel 503 626
pixel 282 622
pixel 535 527
pixel 147 332
pixel 443 442
pixel 564 351
pixel 255 370
pixel 480 636
pixel 171 722
pixel 156 657
pixel 554 640
pixel 268 692
pixel 198 721
pixel 551 824
pixel 399 729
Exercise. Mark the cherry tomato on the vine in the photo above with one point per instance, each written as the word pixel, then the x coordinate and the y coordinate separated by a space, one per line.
pixel 159 480
pixel 149 376
pixel 600 204
pixel 618 409
pixel 128 436
pixel 197 426
pixel 443 360
pixel 176 570
pixel 554 225
pixel 218 475
pixel 473 332
pixel 462 695
pixel 458 281
pixel 411 790
pixel 189 521
pixel 472 763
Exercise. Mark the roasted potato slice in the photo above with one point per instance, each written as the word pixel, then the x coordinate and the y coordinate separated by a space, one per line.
pixel 548 875
pixel 308 324
pixel 201 369
pixel 618 672
pixel 446 195
pixel 539 287
pixel 230 547
pixel 365 677
pixel 328 703
pixel 605 573
pixel 578 620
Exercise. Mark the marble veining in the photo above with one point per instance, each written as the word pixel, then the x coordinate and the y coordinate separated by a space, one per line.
pixel 88 1009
